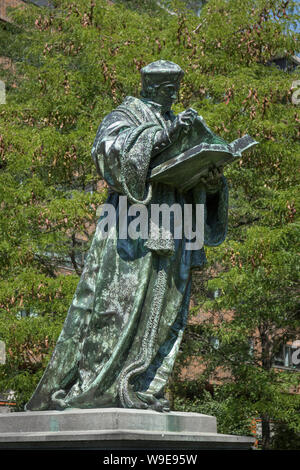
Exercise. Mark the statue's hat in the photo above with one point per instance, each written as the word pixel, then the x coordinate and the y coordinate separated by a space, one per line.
pixel 161 71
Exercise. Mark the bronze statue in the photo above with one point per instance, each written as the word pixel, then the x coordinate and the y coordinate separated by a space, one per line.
pixel 125 324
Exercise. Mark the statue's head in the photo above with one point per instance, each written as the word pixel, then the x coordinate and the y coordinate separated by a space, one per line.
pixel 161 82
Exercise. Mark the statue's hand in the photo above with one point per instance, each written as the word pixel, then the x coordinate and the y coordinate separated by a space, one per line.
pixel 183 121
pixel 186 118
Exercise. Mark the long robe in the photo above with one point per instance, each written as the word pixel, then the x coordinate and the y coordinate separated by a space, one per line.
pixel 124 327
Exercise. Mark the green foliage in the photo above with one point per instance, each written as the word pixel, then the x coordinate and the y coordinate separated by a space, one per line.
pixel 71 66
pixel 285 438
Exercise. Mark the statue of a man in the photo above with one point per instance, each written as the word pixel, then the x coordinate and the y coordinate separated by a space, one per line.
pixel 126 321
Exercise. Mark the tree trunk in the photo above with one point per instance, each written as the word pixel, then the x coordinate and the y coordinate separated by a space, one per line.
pixel 266 432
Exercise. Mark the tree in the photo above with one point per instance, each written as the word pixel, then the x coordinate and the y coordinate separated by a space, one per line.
pixel 257 268
pixel 73 64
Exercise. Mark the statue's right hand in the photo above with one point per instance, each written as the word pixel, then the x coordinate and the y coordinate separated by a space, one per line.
pixel 183 121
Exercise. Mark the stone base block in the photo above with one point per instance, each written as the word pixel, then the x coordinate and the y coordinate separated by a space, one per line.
pixel 114 428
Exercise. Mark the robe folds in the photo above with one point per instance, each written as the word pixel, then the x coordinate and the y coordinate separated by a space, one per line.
pixel 124 327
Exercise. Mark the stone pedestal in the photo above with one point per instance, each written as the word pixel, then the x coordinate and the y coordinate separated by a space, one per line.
pixel 114 428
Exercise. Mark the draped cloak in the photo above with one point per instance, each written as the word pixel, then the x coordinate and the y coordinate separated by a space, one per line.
pixel 126 321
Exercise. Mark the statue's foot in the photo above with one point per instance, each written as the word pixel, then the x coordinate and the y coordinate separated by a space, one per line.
pixel 165 404
pixel 157 404
pixel 58 401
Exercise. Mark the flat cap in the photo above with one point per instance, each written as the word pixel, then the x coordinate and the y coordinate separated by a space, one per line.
pixel 161 71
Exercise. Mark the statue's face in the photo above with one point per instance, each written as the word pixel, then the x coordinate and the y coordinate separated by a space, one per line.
pixel 166 94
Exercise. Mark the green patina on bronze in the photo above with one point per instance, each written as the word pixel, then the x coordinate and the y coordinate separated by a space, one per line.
pixel 125 324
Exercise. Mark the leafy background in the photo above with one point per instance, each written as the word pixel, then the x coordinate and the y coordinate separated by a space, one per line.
pixel 70 66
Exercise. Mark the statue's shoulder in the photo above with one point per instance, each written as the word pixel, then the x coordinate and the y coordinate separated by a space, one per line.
pixel 132 103
pixel 127 106
pixel 134 109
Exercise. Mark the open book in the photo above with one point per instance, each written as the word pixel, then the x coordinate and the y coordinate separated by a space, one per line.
pixel 183 163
